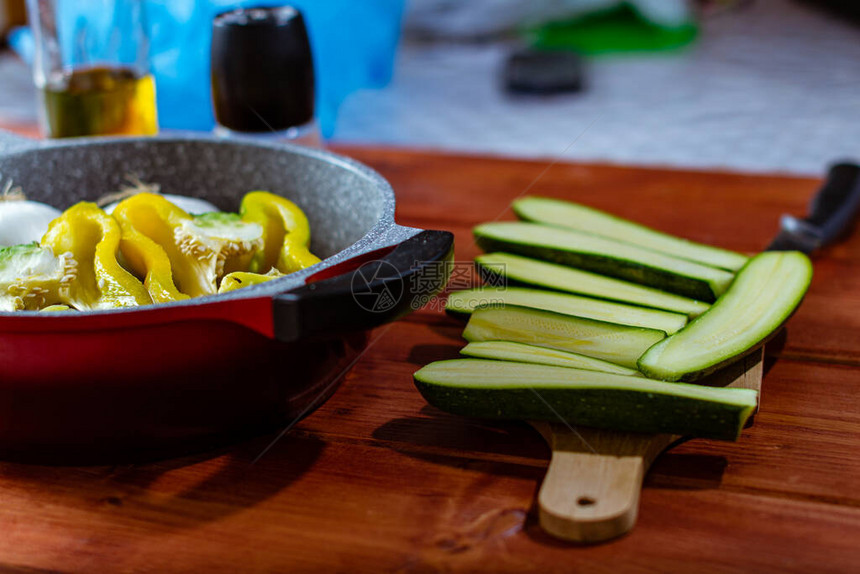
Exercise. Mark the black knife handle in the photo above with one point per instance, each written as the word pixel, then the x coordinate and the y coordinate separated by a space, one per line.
pixel 833 208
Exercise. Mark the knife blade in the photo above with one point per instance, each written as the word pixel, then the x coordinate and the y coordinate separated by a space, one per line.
pixel 831 213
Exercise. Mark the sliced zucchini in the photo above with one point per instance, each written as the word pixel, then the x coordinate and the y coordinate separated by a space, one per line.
pixel 539 273
pixel 464 302
pixel 522 353
pixel 506 390
pixel 619 344
pixel 765 293
pixel 605 256
pixel 582 218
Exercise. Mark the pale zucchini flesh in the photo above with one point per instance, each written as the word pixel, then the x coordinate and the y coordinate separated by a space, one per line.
pixel 605 256
pixel 464 302
pixel 525 270
pixel 520 391
pixel 619 344
pixel 763 296
pixel 522 353
pixel 589 220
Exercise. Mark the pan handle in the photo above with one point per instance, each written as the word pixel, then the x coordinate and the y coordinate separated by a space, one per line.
pixel 10 142
pixel 378 291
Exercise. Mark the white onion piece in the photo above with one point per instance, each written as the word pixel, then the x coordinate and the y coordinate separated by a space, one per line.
pixel 192 205
pixel 24 221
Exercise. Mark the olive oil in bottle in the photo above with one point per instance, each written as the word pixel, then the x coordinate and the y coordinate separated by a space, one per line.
pixel 100 101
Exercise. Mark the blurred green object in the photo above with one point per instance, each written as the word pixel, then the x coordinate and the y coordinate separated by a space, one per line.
pixel 615 30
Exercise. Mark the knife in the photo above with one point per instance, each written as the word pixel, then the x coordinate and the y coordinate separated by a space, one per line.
pixel 831 213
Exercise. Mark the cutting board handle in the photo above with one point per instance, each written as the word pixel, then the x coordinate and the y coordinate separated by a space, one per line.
pixel 592 486
pixel 582 503
pixel 591 490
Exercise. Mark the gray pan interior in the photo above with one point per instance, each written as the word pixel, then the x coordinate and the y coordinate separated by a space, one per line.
pixel 350 206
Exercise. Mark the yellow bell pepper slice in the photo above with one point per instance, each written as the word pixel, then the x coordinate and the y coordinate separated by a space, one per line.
pixel 239 279
pixel 87 240
pixel 286 233
pixel 148 259
pixel 182 255
pixel 147 229
pixel 55 308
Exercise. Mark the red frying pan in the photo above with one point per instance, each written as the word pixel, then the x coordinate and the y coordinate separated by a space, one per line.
pixel 109 386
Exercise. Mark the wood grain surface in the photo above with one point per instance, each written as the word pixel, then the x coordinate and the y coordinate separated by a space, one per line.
pixel 377 481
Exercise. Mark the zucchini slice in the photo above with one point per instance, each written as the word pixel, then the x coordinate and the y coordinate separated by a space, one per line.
pixel 464 302
pixel 764 295
pixel 522 353
pixel 605 256
pixel 506 390
pixel 541 274
pixel 619 344
pixel 589 220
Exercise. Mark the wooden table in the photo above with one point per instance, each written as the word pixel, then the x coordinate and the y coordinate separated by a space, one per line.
pixel 377 481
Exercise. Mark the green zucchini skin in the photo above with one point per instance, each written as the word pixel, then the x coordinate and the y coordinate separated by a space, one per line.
pixel 523 353
pixel 520 391
pixel 462 303
pixel 606 257
pixel 766 292
pixel 619 344
pixel 589 220
pixel 520 270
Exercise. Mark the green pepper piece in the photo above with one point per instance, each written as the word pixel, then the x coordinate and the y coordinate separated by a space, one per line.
pixel 87 239
pixel 286 233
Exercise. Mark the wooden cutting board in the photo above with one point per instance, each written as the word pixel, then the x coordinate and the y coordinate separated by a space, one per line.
pixel 377 481
pixel 592 485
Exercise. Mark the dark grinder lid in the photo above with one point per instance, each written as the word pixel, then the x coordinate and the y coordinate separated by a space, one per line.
pixel 262 69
